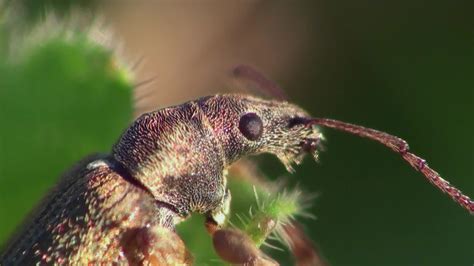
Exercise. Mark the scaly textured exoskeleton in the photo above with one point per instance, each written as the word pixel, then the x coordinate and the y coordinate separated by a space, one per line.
pixel 123 207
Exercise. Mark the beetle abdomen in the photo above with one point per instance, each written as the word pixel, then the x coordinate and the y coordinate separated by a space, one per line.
pixel 86 218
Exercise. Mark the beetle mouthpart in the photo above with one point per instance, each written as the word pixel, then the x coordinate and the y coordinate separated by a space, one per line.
pixel 313 146
pixel 304 140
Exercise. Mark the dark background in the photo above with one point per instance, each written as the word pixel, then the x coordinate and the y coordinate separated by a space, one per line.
pixel 404 67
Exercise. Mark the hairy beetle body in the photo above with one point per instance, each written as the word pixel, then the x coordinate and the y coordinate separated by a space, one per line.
pixel 91 217
pixel 166 165
pixel 123 207
pixel 173 152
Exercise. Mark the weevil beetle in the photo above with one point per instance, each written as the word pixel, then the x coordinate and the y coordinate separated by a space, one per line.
pixel 169 163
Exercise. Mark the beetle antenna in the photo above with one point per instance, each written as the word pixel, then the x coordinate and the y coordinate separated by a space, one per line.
pixel 400 146
pixel 267 86
pixel 138 63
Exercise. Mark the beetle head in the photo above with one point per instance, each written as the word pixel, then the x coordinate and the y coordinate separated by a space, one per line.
pixel 246 125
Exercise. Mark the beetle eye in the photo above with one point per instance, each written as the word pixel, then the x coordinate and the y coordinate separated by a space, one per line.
pixel 251 126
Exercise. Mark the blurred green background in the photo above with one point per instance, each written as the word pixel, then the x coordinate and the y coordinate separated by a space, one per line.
pixel 405 67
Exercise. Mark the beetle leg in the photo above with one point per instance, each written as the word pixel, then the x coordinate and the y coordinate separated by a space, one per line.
pixel 154 245
pixel 235 247
pixel 303 249
pixel 218 217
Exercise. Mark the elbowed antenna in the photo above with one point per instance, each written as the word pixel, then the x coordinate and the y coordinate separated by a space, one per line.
pixel 400 146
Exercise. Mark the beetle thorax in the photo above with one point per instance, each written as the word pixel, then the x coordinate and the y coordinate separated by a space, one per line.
pixel 175 155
